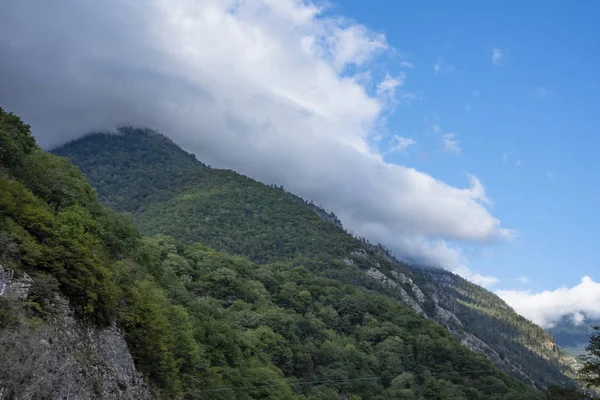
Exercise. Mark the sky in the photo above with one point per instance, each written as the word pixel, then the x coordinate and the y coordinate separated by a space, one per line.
pixel 462 135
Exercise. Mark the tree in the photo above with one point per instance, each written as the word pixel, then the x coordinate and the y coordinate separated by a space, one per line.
pixel 590 373
pixel 15 140
pixel 56 181
pixel 559 392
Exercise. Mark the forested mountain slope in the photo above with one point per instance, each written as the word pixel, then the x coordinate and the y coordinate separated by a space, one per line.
pixel 170 192
pixel 229 212
pixel 200 324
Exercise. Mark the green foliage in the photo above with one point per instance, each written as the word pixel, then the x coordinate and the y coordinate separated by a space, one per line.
pixel 253 331
pixel 150 336
pixel 56 181
pixel 492 320
pixel 169 192
pixel 557 392
pixel 62 243
pixel 159 167
pixel 301 324
pixel 590 373
pixel 15 140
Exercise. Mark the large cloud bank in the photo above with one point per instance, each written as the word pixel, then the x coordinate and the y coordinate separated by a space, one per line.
pixel 278 90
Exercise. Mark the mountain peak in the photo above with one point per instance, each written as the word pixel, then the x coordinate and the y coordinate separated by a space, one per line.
pixel 152 161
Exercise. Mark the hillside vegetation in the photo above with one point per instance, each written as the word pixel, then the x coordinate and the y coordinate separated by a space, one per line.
pixel 514 337
pixel 191 202
pixel 203 324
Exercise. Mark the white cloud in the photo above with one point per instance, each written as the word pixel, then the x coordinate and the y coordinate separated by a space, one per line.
pixel 438 253
pixel 273 89
pixel 407 64
pixel 523 279
pixel 478 190
pixel 437 65
pixel 451 144
pixel 578 318
pixel 399 143
pixel 346 45
pixel 482 280
pixel 386 89
pixel 497 56
pixel 546 308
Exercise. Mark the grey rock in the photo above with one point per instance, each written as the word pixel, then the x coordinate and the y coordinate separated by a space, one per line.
pixel 446 319
pixel 473 343
pixel 67 358
pixel 445 316
pixel 361 253
pixel 11 287
pixel 384 280
pixel 20 287
pixel 6 277
pixel 419 295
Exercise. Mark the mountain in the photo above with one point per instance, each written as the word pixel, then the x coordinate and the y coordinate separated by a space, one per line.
pixel 89 308
pixel 573 337
pixel 170 192
pixel 167 191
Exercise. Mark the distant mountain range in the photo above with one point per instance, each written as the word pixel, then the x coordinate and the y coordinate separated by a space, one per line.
pixel 573 337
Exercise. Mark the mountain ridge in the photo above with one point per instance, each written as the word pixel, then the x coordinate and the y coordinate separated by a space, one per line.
pixel 198 323
pixel 196 213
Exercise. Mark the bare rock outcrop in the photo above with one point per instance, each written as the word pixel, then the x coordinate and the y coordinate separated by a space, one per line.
pixel 62 357
pixel 384 280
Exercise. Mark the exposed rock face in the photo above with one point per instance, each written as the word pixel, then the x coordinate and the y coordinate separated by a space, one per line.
pixel 419 295
pixel 380 276
pixel 360 254
pixel 5 280
pixel 444 317
pixel 15 288
pixel 65 358
pixel 326 216
pixel 472 343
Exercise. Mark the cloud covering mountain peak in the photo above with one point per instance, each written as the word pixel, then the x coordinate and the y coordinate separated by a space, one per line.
pixel 278 90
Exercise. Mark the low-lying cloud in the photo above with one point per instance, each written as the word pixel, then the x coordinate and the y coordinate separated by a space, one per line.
pixel 580 303
pixel 278 90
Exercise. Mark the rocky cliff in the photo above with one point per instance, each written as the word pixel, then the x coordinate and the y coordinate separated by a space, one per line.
pixel 59 356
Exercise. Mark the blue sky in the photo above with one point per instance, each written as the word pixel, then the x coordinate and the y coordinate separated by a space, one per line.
pixel 538 105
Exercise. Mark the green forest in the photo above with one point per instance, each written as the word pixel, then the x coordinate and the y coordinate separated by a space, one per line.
pixel 212 307
pixel 168 191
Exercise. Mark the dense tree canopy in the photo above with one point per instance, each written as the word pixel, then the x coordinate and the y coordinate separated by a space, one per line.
pixel 168 191
pixel 204 324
